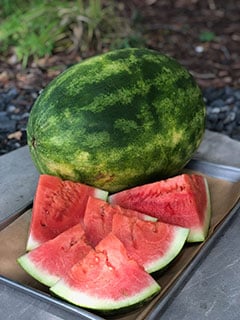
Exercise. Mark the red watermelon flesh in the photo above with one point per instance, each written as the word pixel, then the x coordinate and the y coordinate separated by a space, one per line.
pixel 152 244
pixel 182 200
pixel 58 205
pixel 106 279
pixel 98 217
pixel 50 261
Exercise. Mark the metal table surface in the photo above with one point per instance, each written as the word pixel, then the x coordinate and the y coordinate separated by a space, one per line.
pixel 211 291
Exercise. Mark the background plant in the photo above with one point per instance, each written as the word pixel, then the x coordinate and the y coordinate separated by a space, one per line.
pixel 33 29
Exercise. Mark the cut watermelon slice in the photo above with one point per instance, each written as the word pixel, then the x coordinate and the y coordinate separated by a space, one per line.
pixel 152 244
pixel 98 217
pixel 106 279
pixel 51 260
pixel 58 205
pixel 183 200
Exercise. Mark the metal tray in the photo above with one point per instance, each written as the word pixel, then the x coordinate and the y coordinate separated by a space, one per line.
pixel 218 171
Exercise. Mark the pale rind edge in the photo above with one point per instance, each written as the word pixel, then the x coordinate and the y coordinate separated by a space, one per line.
pixel 82 299
pixel 176 246
pixel 36 271
pixel 31 243
pixel 200 234
pixel 101 194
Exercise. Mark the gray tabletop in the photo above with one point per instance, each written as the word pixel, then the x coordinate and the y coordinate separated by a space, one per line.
pixel 211 290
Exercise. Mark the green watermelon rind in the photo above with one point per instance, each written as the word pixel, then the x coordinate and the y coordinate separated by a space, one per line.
pixel 36 271
pixel 180 237
pixel 200 234
pixel 63 290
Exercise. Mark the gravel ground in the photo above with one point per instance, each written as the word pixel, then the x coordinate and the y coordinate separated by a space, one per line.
pixel 223 111
pixel 222 104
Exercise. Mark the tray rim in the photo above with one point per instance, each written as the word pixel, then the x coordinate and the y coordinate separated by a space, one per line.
pixel 49 299
pixel 228 173
pixel 220 171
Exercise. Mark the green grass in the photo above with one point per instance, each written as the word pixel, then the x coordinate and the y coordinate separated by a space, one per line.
pixel 33 29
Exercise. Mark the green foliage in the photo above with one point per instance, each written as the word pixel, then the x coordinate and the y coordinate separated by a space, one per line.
pixel 41 27
pixel 8 6
pixel 207 36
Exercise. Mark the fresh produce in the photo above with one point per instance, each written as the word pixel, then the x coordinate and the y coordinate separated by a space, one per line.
pixel 54 258
pixel 117 120
pixel 58 205
pixel 98 218
pixel 103 257
pixel 182 200
pixel 151 243
pixel 106 279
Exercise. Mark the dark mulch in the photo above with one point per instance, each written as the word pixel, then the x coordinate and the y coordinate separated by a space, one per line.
pixel 172 27
pixel 175 27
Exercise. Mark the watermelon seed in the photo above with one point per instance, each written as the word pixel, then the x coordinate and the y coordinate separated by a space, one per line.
pixel 72 242
pixel 109 265
pixel 43 224
pixel 102 212
pixel 154 228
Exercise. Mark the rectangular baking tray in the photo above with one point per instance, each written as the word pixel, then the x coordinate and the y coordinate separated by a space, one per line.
pixel 224 172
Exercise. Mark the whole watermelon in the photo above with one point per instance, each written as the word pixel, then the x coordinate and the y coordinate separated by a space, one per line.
pixel 117 120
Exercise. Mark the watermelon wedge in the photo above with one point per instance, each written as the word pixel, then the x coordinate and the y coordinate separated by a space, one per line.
pixel 98 218
pixel 58 205
pixel 50 261
pixel 106 279
pixel 152 244
pixel 183 200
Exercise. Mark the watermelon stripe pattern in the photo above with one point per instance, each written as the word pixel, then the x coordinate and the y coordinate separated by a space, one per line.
pixel 101 117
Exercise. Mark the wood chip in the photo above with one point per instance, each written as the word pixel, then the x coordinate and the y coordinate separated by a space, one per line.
pixel 15 135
